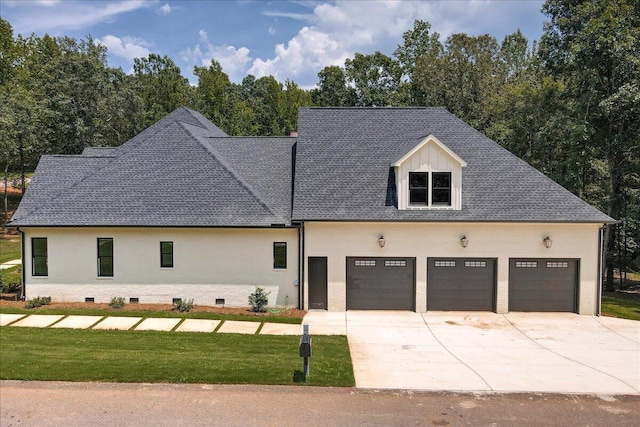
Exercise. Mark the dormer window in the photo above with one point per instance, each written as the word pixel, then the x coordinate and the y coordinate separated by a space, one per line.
pixel 436 194
pixel 429 176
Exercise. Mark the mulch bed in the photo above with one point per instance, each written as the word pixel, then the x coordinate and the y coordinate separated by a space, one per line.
pixel 291 312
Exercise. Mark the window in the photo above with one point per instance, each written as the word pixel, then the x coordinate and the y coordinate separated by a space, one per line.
pixel 365 263
pixel 166 254
pixel 418 188
pixel 526 264
pixel 105 257
pixel 445 264
pixel 39 256
pixel 280 255
pixel 441 189
pixel 554 264
pixel 395 263
pixel 480 264
pixel 421 193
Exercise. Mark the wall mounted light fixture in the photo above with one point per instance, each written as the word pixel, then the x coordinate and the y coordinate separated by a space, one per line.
pixel 464 241
pixel 381 241
pixel 547 242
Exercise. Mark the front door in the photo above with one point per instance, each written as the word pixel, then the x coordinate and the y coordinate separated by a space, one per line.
pixel 318 283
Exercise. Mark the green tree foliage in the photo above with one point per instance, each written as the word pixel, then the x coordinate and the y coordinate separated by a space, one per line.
pixel 594 47
pixel 160 85
pixel 332 90
pixel 376 79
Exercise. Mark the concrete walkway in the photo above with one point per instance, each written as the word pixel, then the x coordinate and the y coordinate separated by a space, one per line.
pixel 10 264
pixel 147 324
pixel 475 351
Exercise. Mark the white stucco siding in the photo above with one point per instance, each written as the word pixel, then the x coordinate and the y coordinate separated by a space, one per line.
pixel 208 264
pixel 501 241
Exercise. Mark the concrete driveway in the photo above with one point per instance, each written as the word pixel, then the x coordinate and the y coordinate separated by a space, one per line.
pixel 475 351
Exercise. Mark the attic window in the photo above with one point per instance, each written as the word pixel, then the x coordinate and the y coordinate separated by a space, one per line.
pixel 436 194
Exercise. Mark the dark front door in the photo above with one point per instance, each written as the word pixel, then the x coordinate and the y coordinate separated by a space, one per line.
pixel 543 284
pixel 461 284
pixel 318 282
pixel 380 283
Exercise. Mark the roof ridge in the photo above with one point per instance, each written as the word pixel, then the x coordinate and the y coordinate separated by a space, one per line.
pixel 231 171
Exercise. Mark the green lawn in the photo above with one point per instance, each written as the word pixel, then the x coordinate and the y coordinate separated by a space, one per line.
pixel 130 356
pixel 9 248
pixel 624 308
pixel 11 275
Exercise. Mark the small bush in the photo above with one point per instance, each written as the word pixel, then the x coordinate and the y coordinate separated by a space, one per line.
pixel 38 302
pixel 117 303
pixel 259 300
pixel 183 305
pixel 9 288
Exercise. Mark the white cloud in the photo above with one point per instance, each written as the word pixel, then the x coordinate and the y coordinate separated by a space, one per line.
pixel 271 30
pixel 73 15
pixel 164 10
pixel 126 47
pixel 232 60
pixel 338 30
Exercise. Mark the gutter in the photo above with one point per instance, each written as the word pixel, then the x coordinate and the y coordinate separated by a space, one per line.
pixel 23 293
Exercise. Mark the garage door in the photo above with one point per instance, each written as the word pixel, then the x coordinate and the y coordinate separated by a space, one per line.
pixel 543 284
pixel 461 284
pixel 380 283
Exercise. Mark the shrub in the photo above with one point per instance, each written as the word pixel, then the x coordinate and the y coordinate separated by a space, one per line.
pixel 259 300
pixel 8 288
pixel 117 303
pixel 38 302
pixel 183 305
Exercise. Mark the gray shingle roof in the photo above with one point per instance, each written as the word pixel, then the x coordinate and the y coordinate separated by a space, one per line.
pixel 172 174
pixel 343 171
pixel 184 171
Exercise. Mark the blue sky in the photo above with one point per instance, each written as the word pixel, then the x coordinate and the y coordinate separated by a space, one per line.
pixel 287 39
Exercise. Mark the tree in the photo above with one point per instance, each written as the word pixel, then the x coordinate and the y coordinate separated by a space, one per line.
pixel 376 79
pixel 333 90
pixel 419 58
pixel 161 86
pixel 595 48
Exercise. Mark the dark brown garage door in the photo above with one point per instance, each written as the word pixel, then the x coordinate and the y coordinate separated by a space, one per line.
pixel 543 284
pixel 461 284
pixel 380 283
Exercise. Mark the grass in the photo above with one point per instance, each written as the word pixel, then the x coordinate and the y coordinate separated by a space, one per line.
pixel 624 308
pixel 130 356
pixel 10 248
pixel 12 275
pixel 160 314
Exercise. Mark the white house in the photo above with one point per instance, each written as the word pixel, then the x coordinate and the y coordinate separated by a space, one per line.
pixel 367 208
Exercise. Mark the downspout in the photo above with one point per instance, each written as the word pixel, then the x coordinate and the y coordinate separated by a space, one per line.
pixel 301 266
pixel 23 294
pixel 601 255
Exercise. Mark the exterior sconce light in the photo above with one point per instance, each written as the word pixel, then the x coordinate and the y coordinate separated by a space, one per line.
pixel 381 241
pixel 547 242
pixel 464 241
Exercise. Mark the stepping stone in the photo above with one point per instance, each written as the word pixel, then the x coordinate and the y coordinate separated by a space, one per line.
pixel 237 327
pixel 280 329
pixel 119 323
pixel 154 324
pixel 77 322
pixel 198 325
pixel 38 320
pixel 6 318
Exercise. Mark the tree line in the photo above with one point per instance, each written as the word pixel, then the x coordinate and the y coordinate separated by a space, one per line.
pixel 568 104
